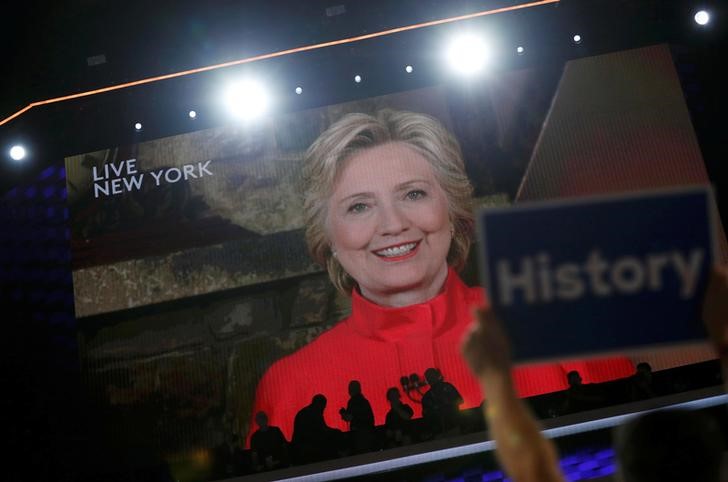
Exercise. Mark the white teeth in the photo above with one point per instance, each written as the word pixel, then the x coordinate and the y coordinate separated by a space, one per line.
pixel 397 250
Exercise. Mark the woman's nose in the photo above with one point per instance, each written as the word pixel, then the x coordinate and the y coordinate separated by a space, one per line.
pixel 392 220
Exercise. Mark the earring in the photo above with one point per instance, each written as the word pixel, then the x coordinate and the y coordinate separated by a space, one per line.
pixel 333 253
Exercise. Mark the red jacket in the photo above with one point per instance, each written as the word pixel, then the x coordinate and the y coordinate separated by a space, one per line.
pixel 378 345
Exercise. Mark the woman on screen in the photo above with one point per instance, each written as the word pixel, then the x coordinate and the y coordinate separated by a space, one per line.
pixel 388 212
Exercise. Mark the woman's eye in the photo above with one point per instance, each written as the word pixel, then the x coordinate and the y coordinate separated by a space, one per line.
pixel 415 195
pixel 357 208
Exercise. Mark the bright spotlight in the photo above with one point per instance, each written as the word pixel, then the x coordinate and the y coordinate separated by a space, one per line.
pixel 138 126
pixel 299 90
pixel 520 50
pixel 247 99
pixel 408 69
pixel 468 54
pixel 192 114
pixel 357 78
pixel 702 17
pixel 577 39
pixel 17 153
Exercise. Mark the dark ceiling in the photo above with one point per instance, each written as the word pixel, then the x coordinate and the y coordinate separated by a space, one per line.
pixel 47 44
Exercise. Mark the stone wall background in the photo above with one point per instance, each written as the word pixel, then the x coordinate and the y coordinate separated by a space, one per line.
pixel 191 371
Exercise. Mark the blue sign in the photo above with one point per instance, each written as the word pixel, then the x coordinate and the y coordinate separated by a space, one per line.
pixel 601 274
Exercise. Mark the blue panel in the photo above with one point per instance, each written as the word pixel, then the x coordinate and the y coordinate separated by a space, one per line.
pixel 588 276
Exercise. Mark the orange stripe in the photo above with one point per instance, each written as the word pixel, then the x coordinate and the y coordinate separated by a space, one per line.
pixel 278 54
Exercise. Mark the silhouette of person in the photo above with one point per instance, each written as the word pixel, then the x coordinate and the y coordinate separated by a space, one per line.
pixel 313 440
pixel 670 445
pixel 398 416
pixel 579 396
pixel 359 414
pixel 641 385
pixel 358 411
pixel 268 445
pixel 440 404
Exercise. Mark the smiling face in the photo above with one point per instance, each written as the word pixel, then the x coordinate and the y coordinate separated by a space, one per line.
pixel 389 224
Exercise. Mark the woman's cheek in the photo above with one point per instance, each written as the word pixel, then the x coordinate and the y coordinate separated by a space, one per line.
pixel 433 217
pixel 353 234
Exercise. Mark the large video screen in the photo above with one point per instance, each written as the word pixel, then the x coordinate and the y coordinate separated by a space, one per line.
pixel 249 267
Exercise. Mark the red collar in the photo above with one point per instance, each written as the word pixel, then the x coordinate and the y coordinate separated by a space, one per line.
pixel 430 318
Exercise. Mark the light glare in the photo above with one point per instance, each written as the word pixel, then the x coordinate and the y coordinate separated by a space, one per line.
pixel 17 153
pixel 520 50
pixel 357 78
pixel 193 114
pixel 468 54
pixel 577 38
pixel 138 126
pixel 408 69
pixel 247 100
pixel 702 17
pixel 299 90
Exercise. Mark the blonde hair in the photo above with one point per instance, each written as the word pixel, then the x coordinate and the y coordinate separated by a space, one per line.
pixel 355 132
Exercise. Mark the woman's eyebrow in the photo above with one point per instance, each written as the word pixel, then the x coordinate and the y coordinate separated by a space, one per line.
pixel 399 187
pixel 410 183
pixel 358 195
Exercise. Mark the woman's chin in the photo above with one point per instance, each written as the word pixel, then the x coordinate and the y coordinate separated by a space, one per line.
pixel 403 284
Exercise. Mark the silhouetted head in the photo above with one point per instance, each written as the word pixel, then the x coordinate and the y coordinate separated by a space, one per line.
pixel 261 419
pixel 354 388
pixel 433 375
pixel 644 369
pixel 670 446
pixel 574 378
pixel 393 395
pixel 319 402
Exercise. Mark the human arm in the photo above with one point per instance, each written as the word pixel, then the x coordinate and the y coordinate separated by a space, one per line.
pixel 524 453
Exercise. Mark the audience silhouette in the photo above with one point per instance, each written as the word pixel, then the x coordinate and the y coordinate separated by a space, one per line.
pixel 313 440
pixel 670 446
pixel 440 404
pixel 641 383
pixel 268 445
pixel 359 414
pixel 580 396
pixel 396 422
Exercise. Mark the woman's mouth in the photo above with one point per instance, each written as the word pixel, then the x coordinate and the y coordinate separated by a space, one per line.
pixel 397 252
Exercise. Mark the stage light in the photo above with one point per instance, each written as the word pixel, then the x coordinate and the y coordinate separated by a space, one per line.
pixel 520 50
pixel 467 54
pixel 408 69
pixel 247 99
pixel 138 126
pixel 192 114
pixel 357 78
pixel 702 17
pixel 17 153
pixel 299 90
pixel 577 39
